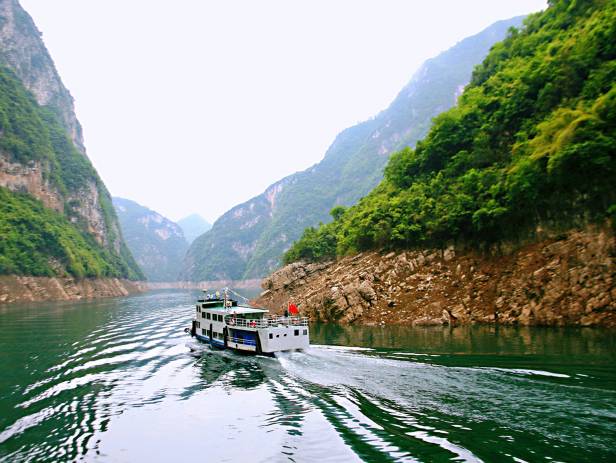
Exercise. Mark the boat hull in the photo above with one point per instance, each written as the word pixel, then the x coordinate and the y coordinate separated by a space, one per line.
pixel 268 342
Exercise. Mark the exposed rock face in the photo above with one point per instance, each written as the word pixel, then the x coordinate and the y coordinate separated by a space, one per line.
pixel 223 252
pixel 22 49
pixel 80 195
pixel 566 281
pixel 33 289
pixel 157 243
pixel 249 240
pixel 30 179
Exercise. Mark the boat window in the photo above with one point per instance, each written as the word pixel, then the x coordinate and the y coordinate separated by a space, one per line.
pixel 285 335
pixel 271 336
pixel 198 308
pixel 203 305
pixel 209 332
pixel 202 315
pixel 204 332
pixel 305 332
pixel 207 316
pixel 220 318
pixel 296 333
pixel 198 324
pixel 277 335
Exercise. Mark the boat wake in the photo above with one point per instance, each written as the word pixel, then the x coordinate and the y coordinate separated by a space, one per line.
pixel 136 387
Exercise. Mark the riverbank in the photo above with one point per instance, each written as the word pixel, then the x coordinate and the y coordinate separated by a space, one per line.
pixel 217 284
pixel 564 280
pixel 14 288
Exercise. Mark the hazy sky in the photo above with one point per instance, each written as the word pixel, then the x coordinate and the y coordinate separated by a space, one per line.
pixel 196 106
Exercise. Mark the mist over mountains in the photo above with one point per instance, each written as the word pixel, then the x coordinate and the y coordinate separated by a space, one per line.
pixel 56 216
pixel 193 226
pixel 157 243
pixel 249 240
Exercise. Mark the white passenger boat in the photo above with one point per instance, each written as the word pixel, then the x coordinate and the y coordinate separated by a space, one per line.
pixel 221 322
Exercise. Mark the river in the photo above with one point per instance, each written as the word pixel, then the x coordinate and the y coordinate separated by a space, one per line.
pixel 118 380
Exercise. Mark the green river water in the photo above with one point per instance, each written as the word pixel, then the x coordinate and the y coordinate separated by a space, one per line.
pixel 118 380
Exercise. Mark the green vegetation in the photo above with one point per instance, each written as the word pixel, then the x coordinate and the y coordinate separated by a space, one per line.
pixel 249 240
pixel 24 135
pixel 531 142
pixel 41 242
pixel 157 243
pixel 34 133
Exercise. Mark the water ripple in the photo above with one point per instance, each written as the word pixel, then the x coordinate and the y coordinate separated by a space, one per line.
pixel 120 381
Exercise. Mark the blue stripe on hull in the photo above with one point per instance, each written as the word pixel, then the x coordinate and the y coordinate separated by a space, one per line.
pixel 221 344
pixel 206 339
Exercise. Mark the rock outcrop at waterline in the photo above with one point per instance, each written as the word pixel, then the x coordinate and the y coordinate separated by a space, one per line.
pixel 567 280
pixel 14 288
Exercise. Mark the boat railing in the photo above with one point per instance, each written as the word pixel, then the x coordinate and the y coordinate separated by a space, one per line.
pixel 268 322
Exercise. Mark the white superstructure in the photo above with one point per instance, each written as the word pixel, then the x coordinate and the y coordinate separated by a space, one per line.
pixel 222 322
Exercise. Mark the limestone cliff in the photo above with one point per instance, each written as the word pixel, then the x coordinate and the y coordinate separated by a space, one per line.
pixel 42 156
pixel 562 280
pixel 157 243
pixel 22 50
pixel 248 241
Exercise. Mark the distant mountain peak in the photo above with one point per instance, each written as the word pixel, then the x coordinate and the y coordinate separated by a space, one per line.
pixel 193 226
pixel 157 243
pixel 248 241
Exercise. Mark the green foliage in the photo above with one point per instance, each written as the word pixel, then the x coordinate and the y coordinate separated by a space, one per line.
pixel 532 141
pixel 249 240
pixel 314 245
pixel 24 135
pixel 75 170
pixel 337 212
pixel 39 241
pixel 32 134
pixel 157 243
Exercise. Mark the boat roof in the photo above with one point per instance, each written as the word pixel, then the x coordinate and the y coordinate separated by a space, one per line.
pixel 239 309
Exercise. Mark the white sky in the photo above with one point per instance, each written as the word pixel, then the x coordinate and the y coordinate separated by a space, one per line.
pixel 196 106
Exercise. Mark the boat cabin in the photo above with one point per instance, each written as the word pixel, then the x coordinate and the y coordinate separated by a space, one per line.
pixel 224 323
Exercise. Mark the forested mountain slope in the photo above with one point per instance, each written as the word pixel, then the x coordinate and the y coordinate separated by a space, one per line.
pixel 249 240
pixel 56 216
pixel 157 243
pixel 530 146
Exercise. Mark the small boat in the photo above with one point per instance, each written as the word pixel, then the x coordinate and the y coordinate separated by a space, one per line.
pixel 224 323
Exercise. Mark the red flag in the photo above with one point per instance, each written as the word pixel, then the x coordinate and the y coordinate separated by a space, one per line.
pixel 293 310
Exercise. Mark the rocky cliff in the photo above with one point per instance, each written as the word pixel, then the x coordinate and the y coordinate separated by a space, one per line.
pixel 157 243
pixel 568 279
pixel 22 50
pixel 249 240
pixel 42 156
pixel 15 288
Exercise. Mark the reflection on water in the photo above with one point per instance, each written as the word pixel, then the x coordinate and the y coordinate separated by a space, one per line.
pixel 118 380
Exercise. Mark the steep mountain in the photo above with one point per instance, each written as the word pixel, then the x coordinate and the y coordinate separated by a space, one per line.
pixel 22 50
pixel 157 243
pixel 56 216
pixel 193 226
pixel 504 213
pixel 530 148
pixel 249 240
